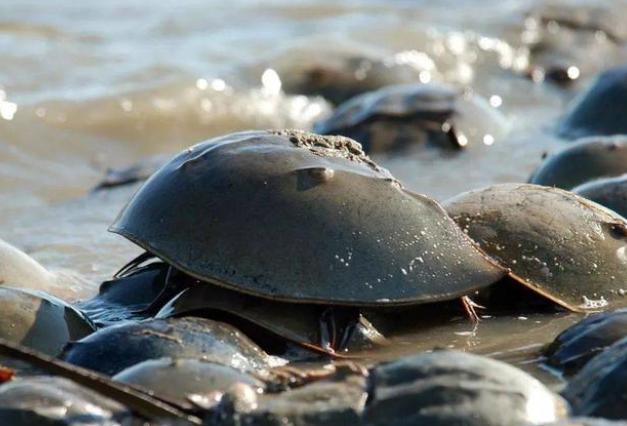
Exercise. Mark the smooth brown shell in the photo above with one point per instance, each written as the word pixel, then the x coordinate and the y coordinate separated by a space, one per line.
pixel 568 249
pixel 290 215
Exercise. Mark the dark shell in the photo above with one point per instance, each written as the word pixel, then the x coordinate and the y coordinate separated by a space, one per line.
pixel 338 401
pixel 127 296
pixel 573 348
pixel 136 172
pixel 294 216
pixel 572 39
pixel 398 116
pixel 112 349
pixel 456 388
pixel 339 76
pixel 609 192
pixel 181 380
pixel 600 109
pixel 587 159
pixel 301 326
pixel 40 321
pixel 564 247
pixel 600 388
pixel 54 401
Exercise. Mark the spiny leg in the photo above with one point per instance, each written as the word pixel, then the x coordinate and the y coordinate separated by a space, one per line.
pixel 337 326
pixel 470 308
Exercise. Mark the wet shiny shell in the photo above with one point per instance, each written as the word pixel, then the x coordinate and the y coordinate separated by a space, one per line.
pixel 564 247
pixel 295 216
pixel 112 349
pixel 600 388
pixel 609 192
pixel 600 109
pixel 55 401
pixel 454 388
pixel 588 159
pixel 40 321
pixel 573 348
pixel 402 115
pixel 182 379
pixel 301 326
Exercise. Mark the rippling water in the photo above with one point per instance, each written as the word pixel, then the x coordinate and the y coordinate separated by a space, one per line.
pixel 89 85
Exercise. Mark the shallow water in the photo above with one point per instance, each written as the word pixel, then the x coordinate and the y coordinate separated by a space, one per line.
pixel 85 86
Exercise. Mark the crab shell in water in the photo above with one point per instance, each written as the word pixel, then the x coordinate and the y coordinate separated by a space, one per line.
pixel 566 248
pixel 609 192
pixel 402 115
pixel 294 216
pixel 585 160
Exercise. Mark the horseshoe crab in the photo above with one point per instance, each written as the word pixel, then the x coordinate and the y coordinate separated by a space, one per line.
pixel 563 247
pixel 573 348
pixel 55 401
pixel 609 192
pixel 585 160
pixel 398 116
pixel 112 349
pixel 600 389
pixel 455 388
pixel 40 321
pixel 340 75
pixel 570 39
pixel 296 217
pixel 598 110
pixel 184 379
pixel 302 326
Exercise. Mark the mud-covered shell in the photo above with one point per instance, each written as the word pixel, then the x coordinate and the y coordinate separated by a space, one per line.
pixel 585 160
pixel 600 109
pixel 568 249
pixel 600 388
pixel 397 116
pixel 301 326
pixel 40 321
pixel 455 388
pixel 609 192
pixel 574 347
pixel 55 401
pixel 112 349
pixel 182 379
pixel 289 215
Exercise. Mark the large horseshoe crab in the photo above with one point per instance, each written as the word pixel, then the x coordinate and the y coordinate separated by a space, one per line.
pixel 562 246
pixel 301 218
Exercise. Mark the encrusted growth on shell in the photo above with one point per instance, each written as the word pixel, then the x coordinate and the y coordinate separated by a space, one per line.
pixel 332 146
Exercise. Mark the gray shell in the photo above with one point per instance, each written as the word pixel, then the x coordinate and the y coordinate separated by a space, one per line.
pixel 184 379
pixel 564 247
pixel 574 347
pixel 112 349
pixel 40 321
pixel 600 110
pixel 397 116
pixel 455 388
pixel 587 159
pixel 301 326
pixel 600 388
pixel 609 192
pixel 55 401
pixel 294 216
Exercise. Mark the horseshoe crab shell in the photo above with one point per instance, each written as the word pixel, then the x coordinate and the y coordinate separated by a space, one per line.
pixel 570 250
pixel 600 109
pixel 401 115
pixel 609 192
pixel 301 326
pixel 587 159
pixel 294 216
